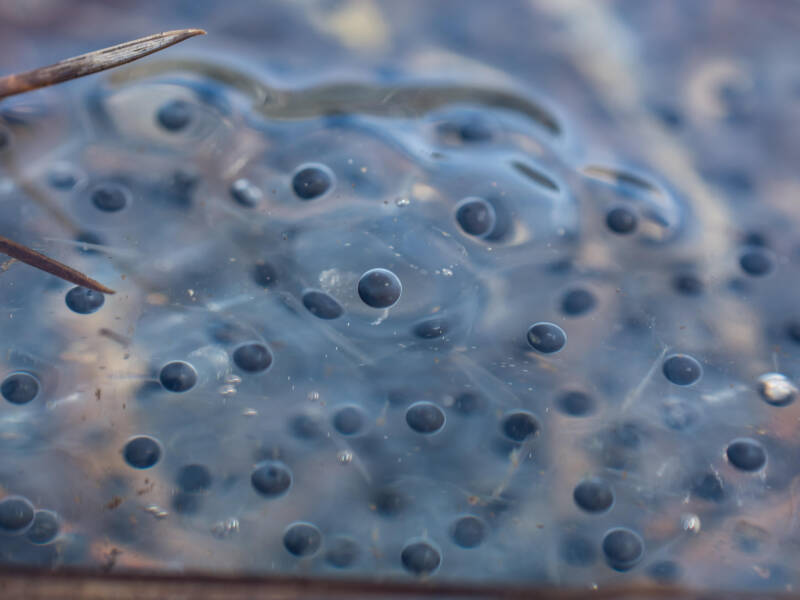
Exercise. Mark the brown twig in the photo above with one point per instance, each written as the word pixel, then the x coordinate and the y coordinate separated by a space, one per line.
pixel 66 70
pixel 86 64
pixel 44 263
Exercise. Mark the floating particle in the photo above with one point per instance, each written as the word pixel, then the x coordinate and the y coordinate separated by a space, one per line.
pixel 156 511
pixel 690 523
pixel 225 528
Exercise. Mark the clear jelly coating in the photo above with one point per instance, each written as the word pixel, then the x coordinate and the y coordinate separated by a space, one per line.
pixel 501 293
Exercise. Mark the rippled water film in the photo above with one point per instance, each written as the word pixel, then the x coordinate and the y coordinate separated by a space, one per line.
pixel 460 292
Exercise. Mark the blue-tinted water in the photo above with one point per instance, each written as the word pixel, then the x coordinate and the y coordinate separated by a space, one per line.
pixel 407 290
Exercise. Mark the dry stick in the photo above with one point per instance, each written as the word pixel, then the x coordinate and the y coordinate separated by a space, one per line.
pixel 86 64
pixel 68 69
pixel 43 263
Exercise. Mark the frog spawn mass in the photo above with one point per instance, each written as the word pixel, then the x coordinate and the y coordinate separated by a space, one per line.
pixel 361 343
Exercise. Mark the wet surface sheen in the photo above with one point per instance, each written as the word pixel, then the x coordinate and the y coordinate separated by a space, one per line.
pixel 408 290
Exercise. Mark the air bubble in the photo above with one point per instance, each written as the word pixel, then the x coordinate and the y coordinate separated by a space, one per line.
pixel 246 193
pixel 777 389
